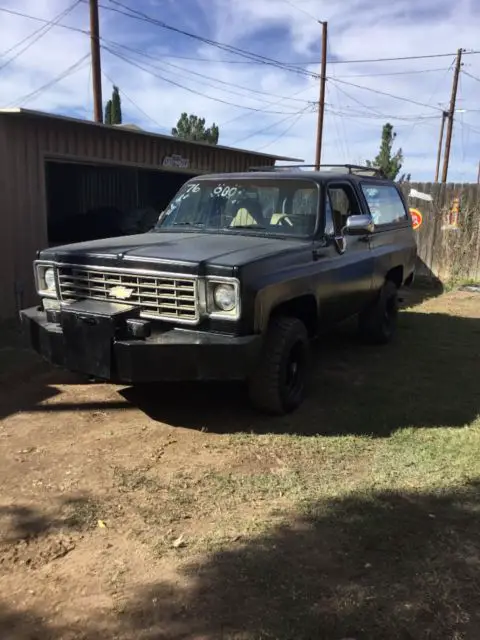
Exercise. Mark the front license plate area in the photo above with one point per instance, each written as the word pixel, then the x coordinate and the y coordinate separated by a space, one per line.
pixel 89 329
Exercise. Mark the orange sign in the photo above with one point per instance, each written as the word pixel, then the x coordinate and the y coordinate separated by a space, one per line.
pixel 417 218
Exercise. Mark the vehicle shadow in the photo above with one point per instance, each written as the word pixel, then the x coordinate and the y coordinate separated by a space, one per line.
pixel 394 565
pixel 17 393
pixel 427 378
pixel 25 522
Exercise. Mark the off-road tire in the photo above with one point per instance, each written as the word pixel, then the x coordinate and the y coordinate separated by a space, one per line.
pixel 285 353
pixel 378 323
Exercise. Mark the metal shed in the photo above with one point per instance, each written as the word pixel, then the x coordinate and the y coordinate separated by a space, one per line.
pixel 35 146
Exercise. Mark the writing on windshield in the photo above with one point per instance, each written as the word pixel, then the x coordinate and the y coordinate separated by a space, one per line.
pixel 282 207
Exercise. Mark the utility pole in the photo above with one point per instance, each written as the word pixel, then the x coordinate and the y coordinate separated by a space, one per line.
pixel 321 101
pixel 440 144
pixel 478 173
pixel 96 66
pixel 451 111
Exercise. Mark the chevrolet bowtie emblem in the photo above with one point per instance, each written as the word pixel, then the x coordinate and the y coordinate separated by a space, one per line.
pixel 121 293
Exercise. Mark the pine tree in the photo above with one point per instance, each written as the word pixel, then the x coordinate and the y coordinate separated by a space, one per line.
pixel 108 113
pixel 388 163
pixel 116 107
pixel 191 127
pixel 113 108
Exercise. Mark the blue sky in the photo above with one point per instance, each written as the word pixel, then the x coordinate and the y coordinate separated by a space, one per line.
pixel 258 106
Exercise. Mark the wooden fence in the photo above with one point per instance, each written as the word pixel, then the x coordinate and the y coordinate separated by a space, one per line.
pixel 449 237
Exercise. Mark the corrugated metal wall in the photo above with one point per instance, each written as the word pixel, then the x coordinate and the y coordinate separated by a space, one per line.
pixel 28 140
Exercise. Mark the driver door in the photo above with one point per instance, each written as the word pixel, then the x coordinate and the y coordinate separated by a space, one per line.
pixel 347 265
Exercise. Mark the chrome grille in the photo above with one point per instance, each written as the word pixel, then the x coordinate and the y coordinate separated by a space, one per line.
pixel 163 296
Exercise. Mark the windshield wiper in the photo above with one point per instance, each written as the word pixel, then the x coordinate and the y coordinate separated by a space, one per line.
pixel 188 224
pixel 246 226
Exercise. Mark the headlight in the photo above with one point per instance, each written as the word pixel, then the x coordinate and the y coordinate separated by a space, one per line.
pixel 49 277
pixel 46 280
pixel 224 296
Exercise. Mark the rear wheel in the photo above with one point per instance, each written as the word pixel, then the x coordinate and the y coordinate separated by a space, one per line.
pixel 378 323
pixel 278 385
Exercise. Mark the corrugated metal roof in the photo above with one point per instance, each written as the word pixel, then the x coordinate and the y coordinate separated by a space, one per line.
pixel 18 111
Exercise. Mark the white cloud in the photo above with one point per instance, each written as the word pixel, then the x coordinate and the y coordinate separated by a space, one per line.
pixel 273 28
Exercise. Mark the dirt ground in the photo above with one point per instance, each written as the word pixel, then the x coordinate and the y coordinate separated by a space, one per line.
pixel 176 512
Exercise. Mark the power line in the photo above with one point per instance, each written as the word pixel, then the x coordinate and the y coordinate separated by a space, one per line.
pixel 394 73
pixel 36 35
pixel 468 126
pixel 202 75
pixel 189 89
pixel 336 118
pixel 361 118
pixel 342 142
pixel 351 112
pixel 433 94
pixel 284 133
pixel 389 95
pixel 470 75
pixel 34 94
pixel 359 102
pixel 143 17
pixel 44 20
pixel 268 127
pixel 122 93
pixel 371 60
pixel 301 9
pixel 243 115
pixel 229 49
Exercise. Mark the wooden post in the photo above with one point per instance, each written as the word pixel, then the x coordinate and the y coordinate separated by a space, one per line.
pixel 451 111
pixel 321 101
pixel 440 144
pixel 96 65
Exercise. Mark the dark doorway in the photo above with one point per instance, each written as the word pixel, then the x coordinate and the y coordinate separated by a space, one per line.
pixel 89 202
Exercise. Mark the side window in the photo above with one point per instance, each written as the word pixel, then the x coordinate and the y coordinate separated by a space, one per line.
pixel 385 204
pixel 344 203
pixel 329 226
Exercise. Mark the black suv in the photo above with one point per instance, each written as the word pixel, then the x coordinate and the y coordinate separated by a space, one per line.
pixel 239 274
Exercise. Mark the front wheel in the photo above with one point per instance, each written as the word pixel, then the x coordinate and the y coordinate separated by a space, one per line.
pixel 278 385
pixel 377 324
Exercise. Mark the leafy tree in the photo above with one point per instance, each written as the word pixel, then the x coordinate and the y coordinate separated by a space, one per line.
pixel 388 163
pixel 191 127
pixel 113 108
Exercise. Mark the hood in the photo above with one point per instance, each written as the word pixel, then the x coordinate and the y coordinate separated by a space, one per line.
pixel 194 249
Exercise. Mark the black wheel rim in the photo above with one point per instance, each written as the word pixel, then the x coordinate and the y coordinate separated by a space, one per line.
pixel 295 370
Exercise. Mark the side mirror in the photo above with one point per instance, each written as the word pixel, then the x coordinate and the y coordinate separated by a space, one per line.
pixel 359 225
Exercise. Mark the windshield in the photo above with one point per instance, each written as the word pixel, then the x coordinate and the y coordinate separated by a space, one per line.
pixel 267 206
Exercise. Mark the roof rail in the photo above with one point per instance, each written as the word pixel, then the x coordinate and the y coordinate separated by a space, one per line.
pixel 353 169
pixel 285 167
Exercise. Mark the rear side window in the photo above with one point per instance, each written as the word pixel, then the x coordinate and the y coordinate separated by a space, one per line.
pixel 385 204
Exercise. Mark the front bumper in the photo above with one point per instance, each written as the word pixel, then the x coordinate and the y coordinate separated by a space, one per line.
pixel 170 355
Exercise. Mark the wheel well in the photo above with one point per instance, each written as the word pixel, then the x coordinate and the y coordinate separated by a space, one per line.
pixel 304 308
pixel 395 275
